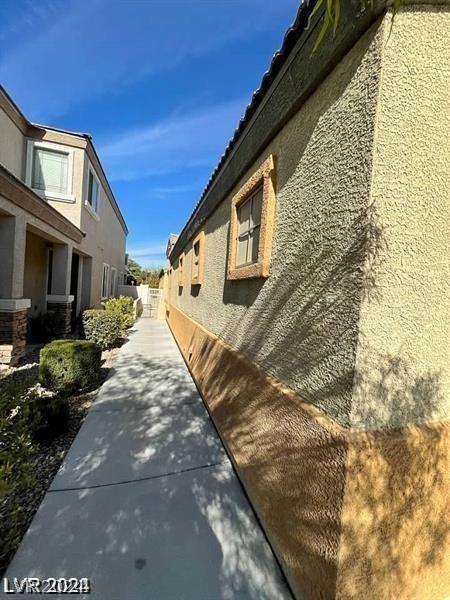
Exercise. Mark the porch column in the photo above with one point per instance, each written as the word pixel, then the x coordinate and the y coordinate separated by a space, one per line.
pixel 59 302
pixel 13 307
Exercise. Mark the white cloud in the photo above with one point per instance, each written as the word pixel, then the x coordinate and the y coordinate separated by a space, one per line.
pixel 88 48
pixel 182 141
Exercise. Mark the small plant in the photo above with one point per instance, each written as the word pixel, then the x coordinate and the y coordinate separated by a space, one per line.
pixel 102 327
pixel 69 365
pixel 123 308
pixel 16 444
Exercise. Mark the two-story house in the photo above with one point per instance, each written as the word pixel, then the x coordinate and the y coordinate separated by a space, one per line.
pixel 62 235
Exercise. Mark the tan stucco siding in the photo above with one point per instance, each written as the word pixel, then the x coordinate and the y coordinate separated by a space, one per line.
pixel 301 324
pixel 350 514
pixel 35 276
pixel 105 241
pixel 12 145
pixel 402 367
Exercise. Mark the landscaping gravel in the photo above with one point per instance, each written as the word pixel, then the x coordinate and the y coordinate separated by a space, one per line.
pixel 19 509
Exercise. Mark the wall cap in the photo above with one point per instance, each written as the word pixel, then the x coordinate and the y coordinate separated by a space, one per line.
pixel 14 304
pixel 60 298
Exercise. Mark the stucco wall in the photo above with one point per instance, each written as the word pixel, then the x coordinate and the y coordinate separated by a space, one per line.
pixel 105 238
pixel 35 277
pixel 105 241
pixel 354 316
pixel 402 367
pixel 301 324
pixel 12 148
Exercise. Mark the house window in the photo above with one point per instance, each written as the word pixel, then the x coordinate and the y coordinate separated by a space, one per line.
pixel 49 170
pixel 180 270
pixel 93 191
pixel 249 220
pixel 113 283
pixel 105 280
pixel 251 225
pixel 198 254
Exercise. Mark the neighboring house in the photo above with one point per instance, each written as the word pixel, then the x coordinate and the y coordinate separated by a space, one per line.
pixel 309 295
pixel 62 235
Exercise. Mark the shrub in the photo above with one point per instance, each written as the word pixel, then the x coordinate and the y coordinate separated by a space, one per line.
pixel 123 308
pixel 48 412
pixel 69 365
pixel 102 327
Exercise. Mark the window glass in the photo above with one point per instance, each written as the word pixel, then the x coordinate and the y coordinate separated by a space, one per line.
pixel 105 281
pixel 196 260
pixel 249 218
pixel 93 189
pixel 50 170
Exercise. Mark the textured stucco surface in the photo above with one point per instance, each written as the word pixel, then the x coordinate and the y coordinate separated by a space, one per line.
pixel 402 367
pixel 35 276
pixel 354 316
pixel 349 514
pixel 301 324
pixel 12 146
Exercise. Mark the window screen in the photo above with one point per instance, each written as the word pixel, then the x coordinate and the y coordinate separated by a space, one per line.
pixel 50 170
pixel 249 221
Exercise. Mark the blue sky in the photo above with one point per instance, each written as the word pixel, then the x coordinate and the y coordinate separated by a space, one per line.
pixel 160 84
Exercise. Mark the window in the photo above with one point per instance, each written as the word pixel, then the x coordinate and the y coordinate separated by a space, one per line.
pixel 251 225
pixel 105 280
pixel 198 253
pixel 249 220
pixel 113 282
pixel 93 190
pixel 180 270
pixel 49 170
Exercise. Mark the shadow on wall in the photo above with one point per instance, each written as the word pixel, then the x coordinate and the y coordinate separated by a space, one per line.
pixel 301 324
pixel 355 511
pixel 306 332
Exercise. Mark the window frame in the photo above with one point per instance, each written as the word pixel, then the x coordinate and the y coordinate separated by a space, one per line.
pixel 94 212
pixel 112 282
pixel 105 280
pixel 200 240
pixel 264 176
pixel 58 196
pixel 181 260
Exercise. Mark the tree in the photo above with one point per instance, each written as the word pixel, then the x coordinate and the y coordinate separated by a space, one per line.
pixel 135 269
pixel 148 276
pixel 151 277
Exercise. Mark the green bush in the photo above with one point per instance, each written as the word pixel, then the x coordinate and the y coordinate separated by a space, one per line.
pixel 102 327
pixel 69 365
pixel 123 308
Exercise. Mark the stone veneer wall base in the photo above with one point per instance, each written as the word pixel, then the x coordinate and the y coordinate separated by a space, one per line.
pixel 61 314
pixel 349 514
pixel 13 335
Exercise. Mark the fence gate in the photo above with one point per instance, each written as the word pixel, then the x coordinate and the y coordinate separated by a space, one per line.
pixel 151 297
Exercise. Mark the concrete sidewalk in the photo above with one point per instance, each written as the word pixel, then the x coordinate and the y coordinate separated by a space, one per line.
pixel 146 503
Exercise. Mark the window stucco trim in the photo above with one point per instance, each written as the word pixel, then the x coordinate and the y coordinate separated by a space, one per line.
pixel 199 239
pixel 265 176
